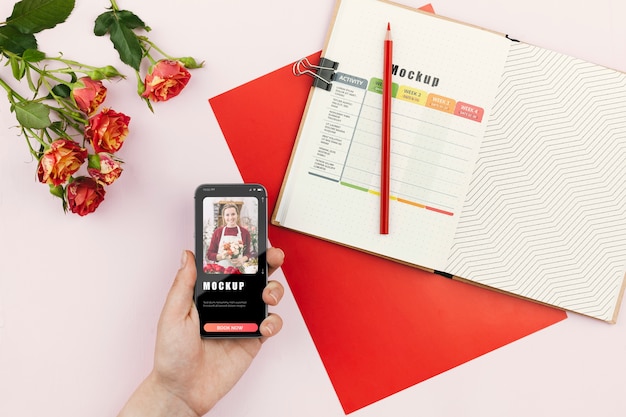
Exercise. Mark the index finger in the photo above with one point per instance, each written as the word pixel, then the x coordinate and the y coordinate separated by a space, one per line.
pixel 275 258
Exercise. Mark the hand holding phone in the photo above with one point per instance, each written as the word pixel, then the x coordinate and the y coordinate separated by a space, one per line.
pixel 231 245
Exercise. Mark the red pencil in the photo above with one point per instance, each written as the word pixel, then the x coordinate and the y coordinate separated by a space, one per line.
pixel 386 135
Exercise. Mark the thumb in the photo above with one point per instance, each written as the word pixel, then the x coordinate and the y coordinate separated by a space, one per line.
pixel 180 297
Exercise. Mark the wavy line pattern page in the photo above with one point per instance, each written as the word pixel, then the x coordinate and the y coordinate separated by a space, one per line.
pixel 445 76
pixel 551 175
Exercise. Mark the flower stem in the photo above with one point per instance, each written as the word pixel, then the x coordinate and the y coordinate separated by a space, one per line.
pixel 70 63
pixel 11 92
pixel 28 133
pixel 154 46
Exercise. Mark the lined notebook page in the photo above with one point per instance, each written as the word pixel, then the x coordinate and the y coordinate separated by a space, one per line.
pixel 445 79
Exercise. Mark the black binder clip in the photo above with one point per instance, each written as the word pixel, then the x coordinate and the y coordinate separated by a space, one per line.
pixel 322 74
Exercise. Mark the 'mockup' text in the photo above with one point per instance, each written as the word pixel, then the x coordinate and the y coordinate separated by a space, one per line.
pixel 222 286
pixel 417 76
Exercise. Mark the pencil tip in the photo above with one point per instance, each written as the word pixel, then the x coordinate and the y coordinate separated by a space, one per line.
pixel 388 26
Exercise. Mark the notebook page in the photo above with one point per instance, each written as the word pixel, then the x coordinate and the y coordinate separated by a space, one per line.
pixel 445 77
pixel 545 217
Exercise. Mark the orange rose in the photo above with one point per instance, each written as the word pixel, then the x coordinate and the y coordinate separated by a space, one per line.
pixel 165 81
pixel 89 94
pixel 107 131
pixel 62 159
pixel 104 168
pixel 84 195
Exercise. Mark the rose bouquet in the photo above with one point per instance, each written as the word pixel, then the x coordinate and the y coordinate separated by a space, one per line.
pixel 232 250
pixel 68 130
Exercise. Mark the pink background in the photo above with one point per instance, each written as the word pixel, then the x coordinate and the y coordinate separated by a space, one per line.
pixel 80 297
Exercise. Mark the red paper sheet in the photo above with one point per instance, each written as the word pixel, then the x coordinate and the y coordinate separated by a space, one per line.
pixel 378 326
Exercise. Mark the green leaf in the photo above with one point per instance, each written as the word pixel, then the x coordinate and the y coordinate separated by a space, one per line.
pixel 57 190
pixel 33 55
pixel 18 67
pixel 33 115
pixel 57 126
pixel 127 45
pixel 93 161
pixel 131 20
pixel 14 41
pixel 103 23
pixel 32 16
pixel 106 20
pixel 61 90
pixel 119 25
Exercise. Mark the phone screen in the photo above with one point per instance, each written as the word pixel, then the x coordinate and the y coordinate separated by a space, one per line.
pixel 231 245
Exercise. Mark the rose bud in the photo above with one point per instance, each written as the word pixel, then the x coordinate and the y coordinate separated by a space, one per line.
pixel 62 159
pixel 190 62
pixel 88 94
pixel 104 168
pixel 165 80
pixel 108 71
pixel 107 131
pixel 84 195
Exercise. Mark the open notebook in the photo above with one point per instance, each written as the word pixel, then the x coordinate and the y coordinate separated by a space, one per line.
pixel 508 160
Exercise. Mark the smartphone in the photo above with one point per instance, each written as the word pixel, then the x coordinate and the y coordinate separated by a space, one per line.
pixel 231 245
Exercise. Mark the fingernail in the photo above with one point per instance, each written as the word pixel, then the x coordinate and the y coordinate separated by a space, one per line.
pixel 183 259
pixel 270 328
pixel 274 297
